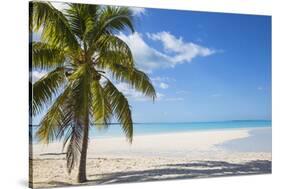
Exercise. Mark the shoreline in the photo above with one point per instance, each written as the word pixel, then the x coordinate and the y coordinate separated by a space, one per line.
pixel 158 140
pixel 163 144
pixel 172 133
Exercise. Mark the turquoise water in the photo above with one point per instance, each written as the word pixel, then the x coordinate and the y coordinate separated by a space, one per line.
pixel 162 128
pixel 259 140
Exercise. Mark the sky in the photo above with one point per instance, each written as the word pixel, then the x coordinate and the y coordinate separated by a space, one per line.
pixel 204 66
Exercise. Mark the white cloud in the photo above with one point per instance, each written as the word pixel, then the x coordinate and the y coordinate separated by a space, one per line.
pixel 163 85
pixel 184 51
pixel 162 82
pixel 176 51
pixel 146 57
pixel 138 11
pixel 128 91
pixel 159 96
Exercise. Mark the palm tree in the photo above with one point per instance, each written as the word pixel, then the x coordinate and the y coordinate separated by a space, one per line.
pixel 79 49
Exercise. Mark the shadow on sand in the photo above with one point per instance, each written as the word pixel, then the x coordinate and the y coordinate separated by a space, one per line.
pixel 201 169
pixel 52 154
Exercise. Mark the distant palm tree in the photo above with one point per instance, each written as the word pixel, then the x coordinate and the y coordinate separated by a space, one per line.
pixel 78 47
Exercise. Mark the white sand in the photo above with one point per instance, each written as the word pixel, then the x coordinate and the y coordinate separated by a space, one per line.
pixel 176 155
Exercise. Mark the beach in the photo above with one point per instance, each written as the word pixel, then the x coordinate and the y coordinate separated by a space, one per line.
pixel 194 154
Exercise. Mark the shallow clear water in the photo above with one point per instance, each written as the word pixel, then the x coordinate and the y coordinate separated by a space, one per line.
pixel 161 128
pixel 259 140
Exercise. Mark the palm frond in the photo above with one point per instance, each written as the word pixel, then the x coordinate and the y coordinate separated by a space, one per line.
pixel 111 20
pixel 101 109
pixel 135 78
pixel 141 82
pixel 45 56
pixel 46 88
pixel 92 26
pixel 56 29
pixel 121 108
pixel 78 17
pixel 73 151
pixel 56 120
pixel 81 89
pixel 116 19
pixel 112 49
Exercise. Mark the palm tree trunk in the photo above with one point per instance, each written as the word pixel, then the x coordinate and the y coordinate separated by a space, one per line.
pixel 82 177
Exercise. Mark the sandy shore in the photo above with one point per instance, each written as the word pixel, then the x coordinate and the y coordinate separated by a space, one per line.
pixel 195 154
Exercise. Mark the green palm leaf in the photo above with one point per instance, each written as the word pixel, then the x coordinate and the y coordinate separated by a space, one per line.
pixel 100 106
pixel 111 20
pixel 135 78
pixel 45 56
pixel 81 89
pixel 121 108
pixel 113 50
pixel 45 89
pixel 56 29
pixel 56 119
pixel 74 139
pixel 78 18
pixel 116 19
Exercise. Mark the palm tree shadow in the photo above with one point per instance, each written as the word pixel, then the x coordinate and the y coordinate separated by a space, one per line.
pixel 52 154
pixel 201 169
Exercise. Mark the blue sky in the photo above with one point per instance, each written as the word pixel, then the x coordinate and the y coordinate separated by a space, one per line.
pixel 204 66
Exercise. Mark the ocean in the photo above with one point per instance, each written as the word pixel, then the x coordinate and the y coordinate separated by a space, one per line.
pixel 115 130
